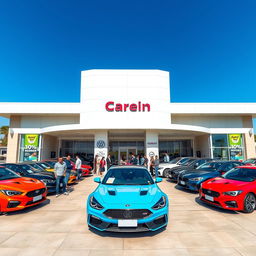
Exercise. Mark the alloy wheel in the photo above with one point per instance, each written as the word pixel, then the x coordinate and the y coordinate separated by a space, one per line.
pixel 250 203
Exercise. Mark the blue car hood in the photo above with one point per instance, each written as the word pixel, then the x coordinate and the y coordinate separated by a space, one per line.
pixel 202 174
pixel 122 195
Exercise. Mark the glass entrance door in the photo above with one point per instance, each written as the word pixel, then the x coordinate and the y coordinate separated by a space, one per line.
pixel 125 152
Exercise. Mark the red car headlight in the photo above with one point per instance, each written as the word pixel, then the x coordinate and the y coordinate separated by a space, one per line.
pixel 233 193
pixel 11 192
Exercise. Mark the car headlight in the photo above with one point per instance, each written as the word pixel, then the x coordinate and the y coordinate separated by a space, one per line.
pixel 160 204
pixel 196 179
pixel 95 204
pixel 11 192
pixel 233 193
pixel 48 181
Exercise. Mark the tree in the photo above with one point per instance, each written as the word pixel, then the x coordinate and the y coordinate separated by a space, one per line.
pixel 4 131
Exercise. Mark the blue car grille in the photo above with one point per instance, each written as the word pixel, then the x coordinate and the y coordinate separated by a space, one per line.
pixel 127 214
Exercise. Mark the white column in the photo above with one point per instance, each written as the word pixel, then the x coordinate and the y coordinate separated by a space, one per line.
pixel 101 144
pixel 152 148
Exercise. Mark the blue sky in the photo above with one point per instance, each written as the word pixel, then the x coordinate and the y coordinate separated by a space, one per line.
pixel 208 46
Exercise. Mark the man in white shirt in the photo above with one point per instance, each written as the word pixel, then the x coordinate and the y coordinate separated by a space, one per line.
pixel 78 167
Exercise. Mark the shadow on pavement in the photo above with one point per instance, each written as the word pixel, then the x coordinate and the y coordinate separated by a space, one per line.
pixel 29 209
pixel 180 188
pixel 127 234
pixel 214 208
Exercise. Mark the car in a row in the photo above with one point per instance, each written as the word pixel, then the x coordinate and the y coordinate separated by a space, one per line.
pixel 26 184
pixel 226 184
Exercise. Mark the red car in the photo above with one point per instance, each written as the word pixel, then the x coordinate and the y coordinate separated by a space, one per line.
pixel 235 190
pixel 17 193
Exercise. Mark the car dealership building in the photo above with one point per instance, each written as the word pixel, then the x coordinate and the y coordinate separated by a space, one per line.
pixel 128 111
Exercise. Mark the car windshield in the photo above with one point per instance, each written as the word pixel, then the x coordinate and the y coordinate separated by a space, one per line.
pixel 37 166
pixel 210 165
pixel 241 174
pixel 51 164
pixel 6 174
pixel 44 165
pixel 183 161
pixel 190 162
pixel 175 160
pixel 250 161
pixel 128 176
pixel 26 168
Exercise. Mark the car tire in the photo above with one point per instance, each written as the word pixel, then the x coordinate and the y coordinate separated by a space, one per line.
pixel 166 172
pixel 249 203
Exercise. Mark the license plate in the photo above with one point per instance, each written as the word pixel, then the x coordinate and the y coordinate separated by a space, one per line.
pixel 127 223
pixel 182 182
pixel 209 198
pixel 37 198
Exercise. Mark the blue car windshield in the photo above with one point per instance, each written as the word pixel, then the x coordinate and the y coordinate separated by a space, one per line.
pixel 241 174
pixel 6 174
pixel 210 165
pixel 127 176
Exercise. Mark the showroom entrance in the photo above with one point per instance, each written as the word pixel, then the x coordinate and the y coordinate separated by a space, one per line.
pixel 125 152
pixel 122 150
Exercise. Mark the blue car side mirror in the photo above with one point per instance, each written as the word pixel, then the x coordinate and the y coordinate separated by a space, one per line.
pixel 97 179
pixel 158 180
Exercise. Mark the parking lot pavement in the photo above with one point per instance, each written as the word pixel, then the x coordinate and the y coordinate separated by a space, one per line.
pixel 59 228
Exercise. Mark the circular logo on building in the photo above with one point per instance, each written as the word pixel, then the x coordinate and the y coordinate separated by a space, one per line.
pixel 100 144
pixel 151 153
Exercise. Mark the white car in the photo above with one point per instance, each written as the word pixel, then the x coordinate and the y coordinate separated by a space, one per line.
pixel 165 167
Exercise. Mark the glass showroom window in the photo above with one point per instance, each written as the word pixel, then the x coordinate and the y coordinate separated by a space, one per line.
pixel 228 146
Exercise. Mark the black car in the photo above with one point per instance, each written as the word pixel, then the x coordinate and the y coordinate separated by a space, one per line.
pixel 25 170
pixel 190 165
pixel 192 179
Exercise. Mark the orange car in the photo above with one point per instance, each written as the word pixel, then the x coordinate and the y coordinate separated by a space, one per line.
pixel 17 193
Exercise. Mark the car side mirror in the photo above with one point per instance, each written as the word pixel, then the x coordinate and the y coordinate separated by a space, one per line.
pixel 158 180
pixel 97 180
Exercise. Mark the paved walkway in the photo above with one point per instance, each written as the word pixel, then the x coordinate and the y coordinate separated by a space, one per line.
pixel 59 228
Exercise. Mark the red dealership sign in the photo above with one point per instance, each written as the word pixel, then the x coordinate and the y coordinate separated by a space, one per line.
pixel 111 106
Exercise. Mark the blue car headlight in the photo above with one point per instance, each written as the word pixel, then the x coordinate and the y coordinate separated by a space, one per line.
pixel 196 179
pixel 160 204
pixel 95 204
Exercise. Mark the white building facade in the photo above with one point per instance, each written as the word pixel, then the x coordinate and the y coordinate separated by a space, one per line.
pixel 128 111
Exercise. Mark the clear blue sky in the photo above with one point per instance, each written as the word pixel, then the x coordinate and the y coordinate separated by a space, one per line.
pixel 208 46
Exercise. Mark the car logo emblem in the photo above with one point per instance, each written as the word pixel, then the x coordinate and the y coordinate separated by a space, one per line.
pixel 127 214
pixel 37 191
pixel 127 205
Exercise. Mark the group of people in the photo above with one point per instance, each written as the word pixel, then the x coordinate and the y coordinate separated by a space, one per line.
pixel 62 171
pixel 101 164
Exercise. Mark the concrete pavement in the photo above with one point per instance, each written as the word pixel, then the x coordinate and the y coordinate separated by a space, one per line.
pixel 59 228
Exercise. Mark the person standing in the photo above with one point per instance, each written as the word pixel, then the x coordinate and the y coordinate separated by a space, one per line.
pixel 60 171
pixel 166 158
pixel 109 162
pixel 156 166
pixel 145 161
pixel 142 160
pixel 68 170
pixel 132 160
pixel 137 160
pixel 95 164
pixel 102 165
pixel 151 165
pixel 78 167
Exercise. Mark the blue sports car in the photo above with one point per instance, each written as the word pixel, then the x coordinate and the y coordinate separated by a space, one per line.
pixel 127 200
